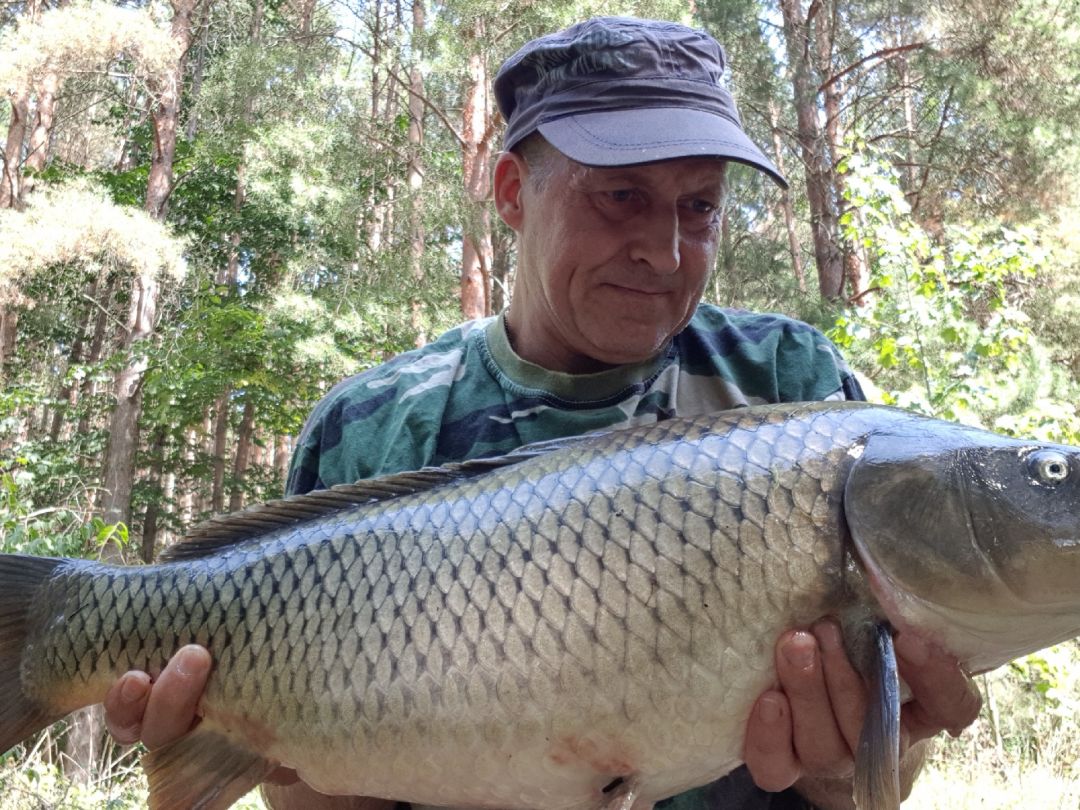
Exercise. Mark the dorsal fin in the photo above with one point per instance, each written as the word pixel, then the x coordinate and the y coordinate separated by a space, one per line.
pixel 222 531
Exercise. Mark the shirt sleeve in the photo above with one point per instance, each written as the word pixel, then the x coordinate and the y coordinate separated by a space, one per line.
pixel 384 420
pixel 767 357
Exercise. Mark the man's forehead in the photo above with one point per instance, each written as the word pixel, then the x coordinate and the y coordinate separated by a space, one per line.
pixel 683 171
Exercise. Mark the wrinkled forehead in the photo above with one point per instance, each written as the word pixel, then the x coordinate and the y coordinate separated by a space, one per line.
pixel 680 173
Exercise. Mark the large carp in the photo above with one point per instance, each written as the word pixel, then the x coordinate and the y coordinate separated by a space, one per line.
pixel 583 624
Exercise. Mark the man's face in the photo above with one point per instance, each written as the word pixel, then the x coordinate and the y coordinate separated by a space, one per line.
pixel 612 261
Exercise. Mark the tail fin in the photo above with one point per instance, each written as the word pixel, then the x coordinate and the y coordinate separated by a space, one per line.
pixel 20 582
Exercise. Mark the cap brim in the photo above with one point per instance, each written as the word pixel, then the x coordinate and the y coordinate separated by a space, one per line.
pixel 649 134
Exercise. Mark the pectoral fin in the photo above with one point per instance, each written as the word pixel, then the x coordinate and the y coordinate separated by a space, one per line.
pixel 624 796
pixel 877 762
pixel 204 770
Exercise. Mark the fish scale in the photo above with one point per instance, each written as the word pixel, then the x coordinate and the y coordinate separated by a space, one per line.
pixel 583 624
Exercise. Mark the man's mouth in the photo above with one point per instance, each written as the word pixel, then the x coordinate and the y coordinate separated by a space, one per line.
pixel 639 290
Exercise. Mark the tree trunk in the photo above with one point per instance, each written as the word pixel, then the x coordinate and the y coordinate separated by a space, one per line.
pixel 155 507
pixel 307 17
pixel 374 218
pixel 97 345
pixel 186 502
pixel 477 133
pixel 96 313
pixel 502 266
pixel 69 392
pixel 198 74
pixel 794 248
pixel 242 460
pixel 168 500
pixel 44 114
pixel 823 218
pixel 221 435
pixel 10 181
pixel 282 455
pixel 9 327
pixel 119 468
pixel 166 114
pixel 10 191
pixel 203 503
pixel 123 444
pixel 416 171
pixel 911 175
pixel 855 274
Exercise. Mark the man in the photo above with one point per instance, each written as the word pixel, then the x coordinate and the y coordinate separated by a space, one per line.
pixel 618 136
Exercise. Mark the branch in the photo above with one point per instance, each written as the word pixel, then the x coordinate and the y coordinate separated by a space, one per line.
pixel 884 53
pixel 440 114
pixel 766 23
pixel 503 34
pixel 176 183
pixel 930 152
pixel 108 315
pixel 856 298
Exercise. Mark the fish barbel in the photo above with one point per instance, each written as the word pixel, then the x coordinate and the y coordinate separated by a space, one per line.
pixel 582 624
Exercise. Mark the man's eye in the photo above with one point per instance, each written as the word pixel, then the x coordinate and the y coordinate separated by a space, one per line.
pixel 704 207
pixel 622 195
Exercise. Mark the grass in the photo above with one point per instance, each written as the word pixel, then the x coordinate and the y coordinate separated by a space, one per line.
pixel 1023 751
pixel 979 788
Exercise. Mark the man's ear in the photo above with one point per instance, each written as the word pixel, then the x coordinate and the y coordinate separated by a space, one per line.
pixel 511 174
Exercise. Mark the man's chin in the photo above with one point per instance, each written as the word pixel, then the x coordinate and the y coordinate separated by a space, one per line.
pixel 628 353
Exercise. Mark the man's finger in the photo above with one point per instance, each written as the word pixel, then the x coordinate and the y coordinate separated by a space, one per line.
pixel 769 752
pixel 820 745
pixel 170 711
pixel 943 695
pixel 125 704
pixel 847 692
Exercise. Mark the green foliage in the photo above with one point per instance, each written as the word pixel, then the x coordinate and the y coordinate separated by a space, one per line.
pixel 48 531
pixel 1013 69
pixel 45 487
pixel 74 227
pixel 943 328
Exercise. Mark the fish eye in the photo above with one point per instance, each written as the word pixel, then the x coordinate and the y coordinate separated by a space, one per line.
pixel 1049 466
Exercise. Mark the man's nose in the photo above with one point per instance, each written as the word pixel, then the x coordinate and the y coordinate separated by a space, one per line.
pixel 656 240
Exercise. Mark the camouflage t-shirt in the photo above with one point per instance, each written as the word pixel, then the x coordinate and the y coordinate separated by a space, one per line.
pixel 468 395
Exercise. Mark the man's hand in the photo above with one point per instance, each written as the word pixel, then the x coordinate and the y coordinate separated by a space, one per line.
pixel 161 710
pixel 158 710
pixel 805 732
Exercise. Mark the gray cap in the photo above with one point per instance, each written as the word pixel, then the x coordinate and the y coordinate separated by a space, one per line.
pixel 616 91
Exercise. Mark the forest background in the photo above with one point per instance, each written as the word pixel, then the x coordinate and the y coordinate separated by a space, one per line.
pixel 210 212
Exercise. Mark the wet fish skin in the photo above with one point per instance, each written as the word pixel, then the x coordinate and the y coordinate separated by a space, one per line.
pixel 523 636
